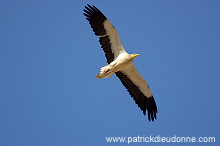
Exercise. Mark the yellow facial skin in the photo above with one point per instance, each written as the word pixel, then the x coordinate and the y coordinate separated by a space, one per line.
pixel 134 55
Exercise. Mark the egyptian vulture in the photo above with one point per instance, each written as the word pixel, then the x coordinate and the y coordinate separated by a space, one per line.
pixel 120 62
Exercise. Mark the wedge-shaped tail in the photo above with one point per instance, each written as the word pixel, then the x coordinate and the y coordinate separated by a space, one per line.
pixel 105 72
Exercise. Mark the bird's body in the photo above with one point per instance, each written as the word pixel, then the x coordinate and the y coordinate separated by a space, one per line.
pixel 120 62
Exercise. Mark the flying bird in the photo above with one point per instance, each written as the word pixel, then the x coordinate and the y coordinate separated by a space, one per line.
pixel 120 62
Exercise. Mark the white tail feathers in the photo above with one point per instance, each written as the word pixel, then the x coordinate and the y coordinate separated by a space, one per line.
pixel 105 72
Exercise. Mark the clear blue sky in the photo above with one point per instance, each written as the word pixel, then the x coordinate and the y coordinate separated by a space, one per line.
pixel 49 58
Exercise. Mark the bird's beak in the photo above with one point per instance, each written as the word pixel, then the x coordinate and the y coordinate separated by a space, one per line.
pixel 136 55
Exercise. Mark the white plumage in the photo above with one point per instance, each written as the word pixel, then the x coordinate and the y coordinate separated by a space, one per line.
pixel 120 62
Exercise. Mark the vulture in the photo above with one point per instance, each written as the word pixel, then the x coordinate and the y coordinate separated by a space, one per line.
pixel 120 62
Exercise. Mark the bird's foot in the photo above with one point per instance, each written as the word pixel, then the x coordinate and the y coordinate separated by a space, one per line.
pixel 107 71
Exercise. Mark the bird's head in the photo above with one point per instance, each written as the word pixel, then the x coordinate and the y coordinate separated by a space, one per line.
pixel 134 55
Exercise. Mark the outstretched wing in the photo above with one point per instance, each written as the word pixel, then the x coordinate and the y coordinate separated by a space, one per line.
pixel 139 90
pixel 109 39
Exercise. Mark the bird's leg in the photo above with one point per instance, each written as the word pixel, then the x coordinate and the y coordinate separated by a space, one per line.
pixel 107 71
